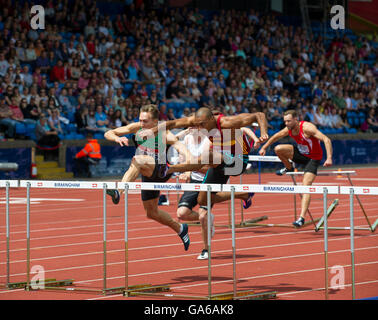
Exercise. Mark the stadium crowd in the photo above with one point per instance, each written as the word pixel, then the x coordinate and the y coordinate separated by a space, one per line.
pixel 89 71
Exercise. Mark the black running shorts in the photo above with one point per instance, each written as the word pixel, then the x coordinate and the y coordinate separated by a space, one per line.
pixel 311 165
pixel 189 198
pixel 157 176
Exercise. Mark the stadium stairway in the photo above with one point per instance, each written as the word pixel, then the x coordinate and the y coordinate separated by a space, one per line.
pixel 50 170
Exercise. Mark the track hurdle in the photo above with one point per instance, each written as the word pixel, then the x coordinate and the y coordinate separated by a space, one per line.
pixel 7 184
pixel 354 192
pixel 259 159
pixel 161 290
pixel 62 284
pixel 371 227
pixel 285 189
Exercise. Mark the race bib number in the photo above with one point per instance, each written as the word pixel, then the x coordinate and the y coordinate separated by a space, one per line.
pixel 303 149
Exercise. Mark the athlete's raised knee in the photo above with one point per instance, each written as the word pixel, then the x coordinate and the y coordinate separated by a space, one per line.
pixel 279 149
pixel 183 212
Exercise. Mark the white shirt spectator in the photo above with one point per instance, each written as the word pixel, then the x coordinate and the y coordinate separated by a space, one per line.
pixel 250 82
pixel 277 83
pixel 4 65
pixel 319 118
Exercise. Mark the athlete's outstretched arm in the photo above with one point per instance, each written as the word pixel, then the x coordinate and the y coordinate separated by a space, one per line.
pixel 117 134
pixel 277 136
pixel 251 134
pixel 246 119
pixel 190 164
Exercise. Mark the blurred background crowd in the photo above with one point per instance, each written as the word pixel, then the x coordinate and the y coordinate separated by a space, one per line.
pixel 88 71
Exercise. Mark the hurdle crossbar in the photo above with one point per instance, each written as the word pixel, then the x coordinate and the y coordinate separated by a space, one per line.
pixel 295 189
pixel 260 159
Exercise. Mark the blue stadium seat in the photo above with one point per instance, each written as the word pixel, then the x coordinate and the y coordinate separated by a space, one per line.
pixel 351 130
pixel 20 128
pixel 79 136
pixel 30 129
pixel 98 136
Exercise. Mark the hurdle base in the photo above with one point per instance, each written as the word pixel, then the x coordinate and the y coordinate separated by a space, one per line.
pixel 278 225
pixel 247 223
pixel 330 209
pixel 145 289
pixel 348 228
pixel 245 295
pixel 194 224
pixel 374 226
pixel 243 224
pixel 47 283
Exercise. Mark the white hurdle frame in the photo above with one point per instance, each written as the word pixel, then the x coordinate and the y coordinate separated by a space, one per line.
pixel 28 184
pixel 371 227
pixel 7 184
pixel 169 186
pixel 354 192
pixel 283 189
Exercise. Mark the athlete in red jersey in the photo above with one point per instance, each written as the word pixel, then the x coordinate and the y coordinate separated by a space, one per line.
pixel 307 152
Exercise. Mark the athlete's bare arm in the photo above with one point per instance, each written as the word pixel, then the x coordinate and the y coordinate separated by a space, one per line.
pixel 251 134
pixel 179 146
pixel 246 119
pixel 117 134
pixel 277 136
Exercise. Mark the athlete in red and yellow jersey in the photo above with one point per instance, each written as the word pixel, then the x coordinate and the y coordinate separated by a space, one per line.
pixel 307 151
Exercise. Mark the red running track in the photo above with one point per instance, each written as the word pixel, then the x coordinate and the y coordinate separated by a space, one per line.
pixel 67 241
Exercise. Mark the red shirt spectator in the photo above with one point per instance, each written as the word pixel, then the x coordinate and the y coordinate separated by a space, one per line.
pixel 16 112
pixel 163 113
pixel 91 45
pixel 58 73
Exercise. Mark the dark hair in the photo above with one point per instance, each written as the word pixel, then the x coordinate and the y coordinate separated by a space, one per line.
pixel 291 112
pixel 152 109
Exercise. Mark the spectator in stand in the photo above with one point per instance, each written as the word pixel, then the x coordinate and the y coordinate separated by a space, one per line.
pixel 54 121
pixel 91 121
pixel 47 138
pixel 163 113
pixel 81 120
pixel 17 114
pixel 327 119
pixel 43 62
pixel 5 119
pixel 116 119
pixel 102 121
pixel 30 111
pixel 30 54
pixel 4 65
pixel 170 114
pixel 83 81
pixel 67 107
pixel 372 120
pixel 57 72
